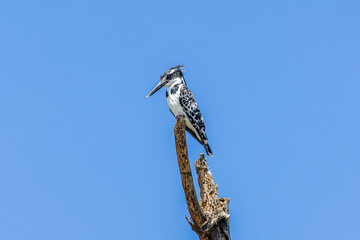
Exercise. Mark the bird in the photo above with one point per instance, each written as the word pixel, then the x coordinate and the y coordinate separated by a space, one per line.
pixel 181 102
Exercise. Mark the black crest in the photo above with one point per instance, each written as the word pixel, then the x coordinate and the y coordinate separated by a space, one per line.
pixel 173 72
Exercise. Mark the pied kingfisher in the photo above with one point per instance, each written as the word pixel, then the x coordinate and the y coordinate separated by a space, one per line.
pixel 182 102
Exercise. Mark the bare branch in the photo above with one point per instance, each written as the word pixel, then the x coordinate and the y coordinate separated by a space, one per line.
pixel 193 205
pixel 211 217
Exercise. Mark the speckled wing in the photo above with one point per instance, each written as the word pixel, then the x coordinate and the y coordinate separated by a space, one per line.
pixel 191 108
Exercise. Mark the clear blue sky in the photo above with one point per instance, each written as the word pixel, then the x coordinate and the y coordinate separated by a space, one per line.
pixel 85 156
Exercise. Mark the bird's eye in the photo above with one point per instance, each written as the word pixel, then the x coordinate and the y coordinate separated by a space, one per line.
pixel 168 77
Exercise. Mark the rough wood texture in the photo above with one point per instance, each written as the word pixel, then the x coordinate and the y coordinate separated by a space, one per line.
pixel 210 218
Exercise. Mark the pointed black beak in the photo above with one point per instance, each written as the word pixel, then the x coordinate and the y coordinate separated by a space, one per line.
pixel 158 86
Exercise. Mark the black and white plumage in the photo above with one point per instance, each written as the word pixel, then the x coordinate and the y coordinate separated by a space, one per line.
pixel 182 102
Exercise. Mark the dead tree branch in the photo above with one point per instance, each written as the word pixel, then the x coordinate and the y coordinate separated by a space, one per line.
pixel 210 218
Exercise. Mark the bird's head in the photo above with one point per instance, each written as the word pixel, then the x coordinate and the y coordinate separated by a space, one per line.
pixel 168 78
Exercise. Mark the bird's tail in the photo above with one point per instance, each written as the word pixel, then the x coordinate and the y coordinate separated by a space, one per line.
pixel 208 149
